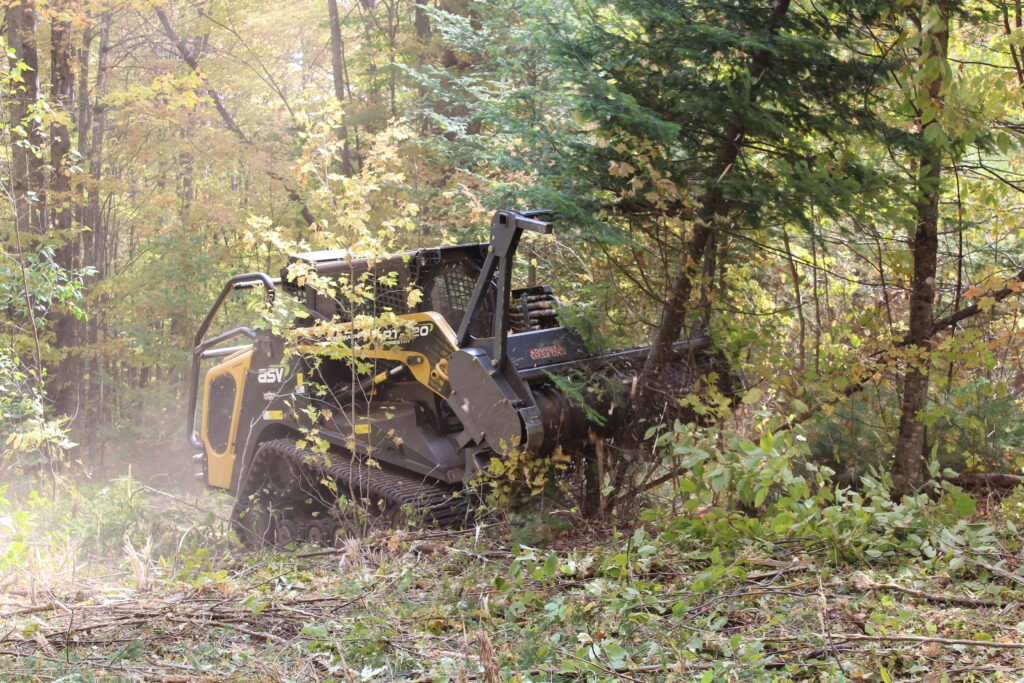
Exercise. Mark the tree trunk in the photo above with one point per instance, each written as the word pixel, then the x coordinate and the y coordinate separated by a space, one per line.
pixel 713 206
pixel 421 21
pixel 28 182
pixel 68 375
pixel 458 64
pixel 392 34
pixel 338 71
pixel 93 209
pixel 84 120
pixel 61 82
pixel 19 110
pixel 799 299
pixel 93 239
pixel 908 467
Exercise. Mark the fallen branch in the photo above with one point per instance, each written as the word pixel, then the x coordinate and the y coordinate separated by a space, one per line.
pixel 1006 574
pixel 773 573
pixel 865 584
pixel 930 639
pixel 488 658
pixel 995 480
pixel 259 635
pixel 680 667
pixel 34 609
pixel 320 553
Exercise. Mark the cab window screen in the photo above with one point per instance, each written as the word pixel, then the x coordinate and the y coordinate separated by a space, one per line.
pixel 221 404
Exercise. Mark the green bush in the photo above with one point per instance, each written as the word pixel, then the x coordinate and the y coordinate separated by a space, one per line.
pixel 772 492
pixel 978 425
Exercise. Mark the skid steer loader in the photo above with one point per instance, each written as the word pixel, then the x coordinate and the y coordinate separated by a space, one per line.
pixel 317 446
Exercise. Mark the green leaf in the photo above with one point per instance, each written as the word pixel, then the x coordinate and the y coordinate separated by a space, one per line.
pixel 316 631
pixel 616 654
pixel 782 522
pixel 760 495
pixel 550 566
pixel 965 505
pixel 696 457
pixel 719 479
pixel 934 135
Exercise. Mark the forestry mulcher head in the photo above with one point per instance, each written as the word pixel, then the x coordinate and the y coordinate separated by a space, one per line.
pixel 350 428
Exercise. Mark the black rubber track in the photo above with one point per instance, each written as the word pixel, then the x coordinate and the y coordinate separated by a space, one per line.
pixel 432 502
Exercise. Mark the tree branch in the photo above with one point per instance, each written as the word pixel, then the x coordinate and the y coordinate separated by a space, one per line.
pixel 226 117
pixel 938 326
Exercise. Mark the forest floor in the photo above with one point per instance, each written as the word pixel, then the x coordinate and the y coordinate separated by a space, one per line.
pixel 537 597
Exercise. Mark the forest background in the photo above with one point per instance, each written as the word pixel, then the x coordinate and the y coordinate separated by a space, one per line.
pixel 831 190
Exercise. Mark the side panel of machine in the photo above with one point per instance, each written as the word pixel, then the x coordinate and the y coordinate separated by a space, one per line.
pixel 423 348
pixel 538 348
pixel 222 402
pixel 272 403
pixel 425 353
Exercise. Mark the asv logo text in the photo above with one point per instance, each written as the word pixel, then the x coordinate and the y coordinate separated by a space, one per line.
pixel 270 376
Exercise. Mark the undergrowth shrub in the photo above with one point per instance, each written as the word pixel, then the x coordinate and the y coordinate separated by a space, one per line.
pixel 741 506
pixel 518 474
pixel 973 425
pixel 978 425
pixel 30 441
pixel 737 491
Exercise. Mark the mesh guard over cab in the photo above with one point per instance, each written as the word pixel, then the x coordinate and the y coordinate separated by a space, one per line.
pixel 445 275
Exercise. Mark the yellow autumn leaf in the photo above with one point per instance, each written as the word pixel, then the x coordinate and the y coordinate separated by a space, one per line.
pixel 621 169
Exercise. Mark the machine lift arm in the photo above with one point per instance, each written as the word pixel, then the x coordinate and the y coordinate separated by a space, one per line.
pixel 506 229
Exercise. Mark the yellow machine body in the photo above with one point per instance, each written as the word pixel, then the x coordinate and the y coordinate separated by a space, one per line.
pixel 425 353
pixel 220 463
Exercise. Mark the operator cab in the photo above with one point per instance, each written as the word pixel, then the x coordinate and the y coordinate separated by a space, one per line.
pixel 445 275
